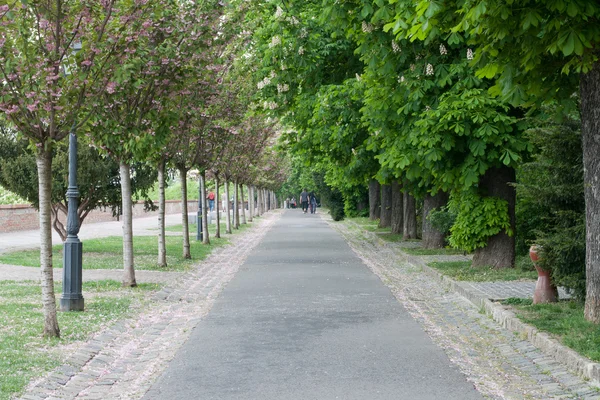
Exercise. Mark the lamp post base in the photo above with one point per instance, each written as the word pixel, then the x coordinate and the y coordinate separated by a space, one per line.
pixel 72 304
pixel 72 299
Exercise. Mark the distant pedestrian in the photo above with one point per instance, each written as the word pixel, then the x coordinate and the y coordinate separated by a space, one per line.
pixel 211 200
pixel 304 200
pixel 293 202
pixel 313 203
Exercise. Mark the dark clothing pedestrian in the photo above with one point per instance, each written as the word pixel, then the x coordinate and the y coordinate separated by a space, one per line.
pixel 304 200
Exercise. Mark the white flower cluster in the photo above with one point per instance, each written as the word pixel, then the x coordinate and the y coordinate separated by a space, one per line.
pixel 278 12
pixel 283 66
pixel 271 105
pixel 275 41
pixel 412 67
pixel 396 47
pixel 469 54
pixel 273 74
pixel 367 28
pixel 357 77
pixel 303 33
pixel 294 21
pixel 427 108
pixel 443 50
pixel 429 70
pixel 283 88
pixel 401 79
pixel 301 50
pixel 263 83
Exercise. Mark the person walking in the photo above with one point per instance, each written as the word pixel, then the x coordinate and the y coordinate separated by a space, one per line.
pixel 211 200
pixel 313 203
pixel 304 200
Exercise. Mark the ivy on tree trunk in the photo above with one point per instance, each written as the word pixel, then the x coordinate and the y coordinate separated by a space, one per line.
pixel 500 249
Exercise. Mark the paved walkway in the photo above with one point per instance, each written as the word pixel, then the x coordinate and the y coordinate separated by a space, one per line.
pixel 316 335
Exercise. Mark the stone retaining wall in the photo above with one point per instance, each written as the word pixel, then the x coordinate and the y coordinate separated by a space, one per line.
pixel 24 217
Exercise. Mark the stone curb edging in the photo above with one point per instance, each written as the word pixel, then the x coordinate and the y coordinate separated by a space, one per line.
pixel 577 363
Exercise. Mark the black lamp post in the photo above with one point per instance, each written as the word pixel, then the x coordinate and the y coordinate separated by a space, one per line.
pixel 199 235
pixel 72 299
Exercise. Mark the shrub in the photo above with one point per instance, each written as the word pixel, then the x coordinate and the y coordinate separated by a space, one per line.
pixel 550 202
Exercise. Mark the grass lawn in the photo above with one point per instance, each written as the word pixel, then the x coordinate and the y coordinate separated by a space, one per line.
pixel 565 321
pixel 462 271
pixel 107 253
pixel 24 354
pixel 419 251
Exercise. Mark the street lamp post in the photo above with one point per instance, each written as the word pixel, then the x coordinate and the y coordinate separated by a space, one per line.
pixel 199 235
pixel 72 299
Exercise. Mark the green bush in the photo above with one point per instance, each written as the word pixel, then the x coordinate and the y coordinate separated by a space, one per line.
pixel 477 219
pixel 442 219
pixel 550 202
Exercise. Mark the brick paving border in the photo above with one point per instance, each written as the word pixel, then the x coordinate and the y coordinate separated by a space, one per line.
pixel 123 361
pixel 521 353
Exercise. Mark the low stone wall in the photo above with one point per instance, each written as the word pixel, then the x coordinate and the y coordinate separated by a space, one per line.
pixel 24 217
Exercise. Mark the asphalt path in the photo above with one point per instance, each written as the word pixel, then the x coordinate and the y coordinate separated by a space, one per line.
pixel 304 318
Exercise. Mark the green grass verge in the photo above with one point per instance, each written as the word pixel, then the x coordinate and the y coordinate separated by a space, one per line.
pixel 419 251
pixel 463 271
pixel 565 321
pixel 107 253
pixel 24 354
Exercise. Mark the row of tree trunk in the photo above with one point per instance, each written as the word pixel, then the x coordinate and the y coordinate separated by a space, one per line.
pixel 398 211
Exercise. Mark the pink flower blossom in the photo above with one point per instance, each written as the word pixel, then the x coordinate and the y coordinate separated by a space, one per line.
pixel 110 88
pixel 86 63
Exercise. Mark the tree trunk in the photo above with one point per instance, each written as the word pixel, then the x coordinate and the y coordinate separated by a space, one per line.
pixel 162 247
pixel 590 119
pixel 409 228
pixel 258 203
pixel 432 238
pixel 218 227
pixel 374 199
pixel 227 208
pixel 385 220
pixel 184 214
pixel 500 249
pixel 243 204
pixel 397 208
pixel 127 209
pixel 236 206
pixel 250 203
pixel 44 169
pixel 205 238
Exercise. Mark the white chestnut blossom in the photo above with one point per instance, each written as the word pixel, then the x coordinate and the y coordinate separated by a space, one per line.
pixel 303 33
pixel 275 41
pixel 357 77
pixel 469 54
pixel 443 50
pixel 429 70
pixel 366 27
pixel 283 88
pixel 301 50
pixel 278 12
pixel 396 47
